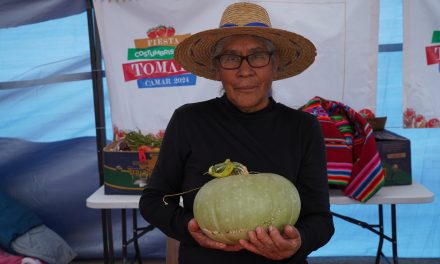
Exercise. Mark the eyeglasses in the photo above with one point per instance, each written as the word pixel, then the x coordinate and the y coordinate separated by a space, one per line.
pixel 233 61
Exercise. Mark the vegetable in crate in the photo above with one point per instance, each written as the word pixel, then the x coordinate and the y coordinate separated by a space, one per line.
pixel 133 140
pixel 228 207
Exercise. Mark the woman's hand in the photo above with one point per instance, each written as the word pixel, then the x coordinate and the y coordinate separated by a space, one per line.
pixel 205 241
pixel 272 244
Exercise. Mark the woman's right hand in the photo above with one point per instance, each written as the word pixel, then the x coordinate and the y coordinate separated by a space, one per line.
pixel 205 241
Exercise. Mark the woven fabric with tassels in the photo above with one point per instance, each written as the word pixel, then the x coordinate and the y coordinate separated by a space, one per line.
pixel 353 162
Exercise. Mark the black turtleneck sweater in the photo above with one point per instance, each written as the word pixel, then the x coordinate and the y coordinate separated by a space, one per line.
pixel 276 139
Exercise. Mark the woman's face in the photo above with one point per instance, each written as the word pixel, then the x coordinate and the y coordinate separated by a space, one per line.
pixel 247 87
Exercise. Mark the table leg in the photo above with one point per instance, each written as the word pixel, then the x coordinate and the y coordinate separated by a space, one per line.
pixel 108 235
pixel 135 233
pixel 381 231
pixel 109 232
pixel 394 233
pixel 124 235
pixel 104 235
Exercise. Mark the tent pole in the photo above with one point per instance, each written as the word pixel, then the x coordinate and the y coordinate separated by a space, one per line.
pixel 98 94
pixel 98 99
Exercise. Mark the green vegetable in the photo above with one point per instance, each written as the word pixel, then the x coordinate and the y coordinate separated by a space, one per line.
pixel 227 208
pixel 135 139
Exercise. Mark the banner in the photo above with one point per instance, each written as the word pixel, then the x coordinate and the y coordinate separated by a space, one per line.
pixel 146 84
pixel 421 63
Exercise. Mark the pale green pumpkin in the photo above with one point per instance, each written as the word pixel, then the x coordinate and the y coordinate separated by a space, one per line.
pixel 226 209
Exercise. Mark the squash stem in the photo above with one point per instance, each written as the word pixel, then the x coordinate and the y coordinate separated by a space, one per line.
pixel 227 168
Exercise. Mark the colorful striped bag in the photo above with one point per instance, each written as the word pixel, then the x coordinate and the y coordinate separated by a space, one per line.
pixel 353 162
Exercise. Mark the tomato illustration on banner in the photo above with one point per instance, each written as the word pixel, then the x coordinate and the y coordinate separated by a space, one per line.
pixel 413 120
pixel 433 52
pixel 152 62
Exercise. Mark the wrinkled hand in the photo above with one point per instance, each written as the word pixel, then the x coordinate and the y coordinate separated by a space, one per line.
pixel 205 241
pixel 271 244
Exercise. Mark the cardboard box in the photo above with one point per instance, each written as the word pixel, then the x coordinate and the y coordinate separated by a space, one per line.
pixel 124 173
pixel 377 123
pixel 395 154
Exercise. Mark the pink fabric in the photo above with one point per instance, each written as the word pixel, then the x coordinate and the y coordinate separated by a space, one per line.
pixel 6 258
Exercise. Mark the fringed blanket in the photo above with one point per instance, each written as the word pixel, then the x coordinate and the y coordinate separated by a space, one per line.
pixel 353 162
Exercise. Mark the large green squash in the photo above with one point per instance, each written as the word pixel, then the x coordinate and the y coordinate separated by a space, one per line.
pixel 226 209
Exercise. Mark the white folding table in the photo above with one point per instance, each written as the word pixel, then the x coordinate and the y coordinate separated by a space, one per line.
pixel 388 195
pixel 109 202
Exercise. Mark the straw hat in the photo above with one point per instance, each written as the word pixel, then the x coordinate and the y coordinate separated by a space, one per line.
pixel 295 51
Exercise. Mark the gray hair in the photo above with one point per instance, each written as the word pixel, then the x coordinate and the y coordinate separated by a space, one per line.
pixel 218 48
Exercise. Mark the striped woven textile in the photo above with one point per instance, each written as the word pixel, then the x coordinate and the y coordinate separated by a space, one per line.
pixel 353 162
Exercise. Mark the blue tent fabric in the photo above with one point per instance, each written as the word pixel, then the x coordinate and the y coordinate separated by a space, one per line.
pixel 55 179
pixel 21 12
pixel 15 220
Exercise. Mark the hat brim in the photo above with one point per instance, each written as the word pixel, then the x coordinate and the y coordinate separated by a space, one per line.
pixel 296 52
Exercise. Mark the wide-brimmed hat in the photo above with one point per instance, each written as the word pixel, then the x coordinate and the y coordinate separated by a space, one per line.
pixel 296 52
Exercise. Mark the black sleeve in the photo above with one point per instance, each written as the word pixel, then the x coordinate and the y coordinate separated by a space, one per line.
pixel 166 214
pixel 315 223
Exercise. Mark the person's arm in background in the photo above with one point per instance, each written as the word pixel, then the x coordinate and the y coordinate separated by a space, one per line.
pixel 315 223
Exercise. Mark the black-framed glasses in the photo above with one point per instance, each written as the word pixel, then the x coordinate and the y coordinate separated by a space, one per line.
pixel 234 61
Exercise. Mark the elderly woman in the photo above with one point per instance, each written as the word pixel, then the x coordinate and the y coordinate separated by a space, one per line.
pixel 246 124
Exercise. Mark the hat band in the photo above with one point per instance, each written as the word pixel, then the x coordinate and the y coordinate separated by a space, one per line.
pixel 252 24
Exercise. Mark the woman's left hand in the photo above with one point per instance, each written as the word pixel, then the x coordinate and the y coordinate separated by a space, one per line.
pixel 205 241
pixel 271 244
